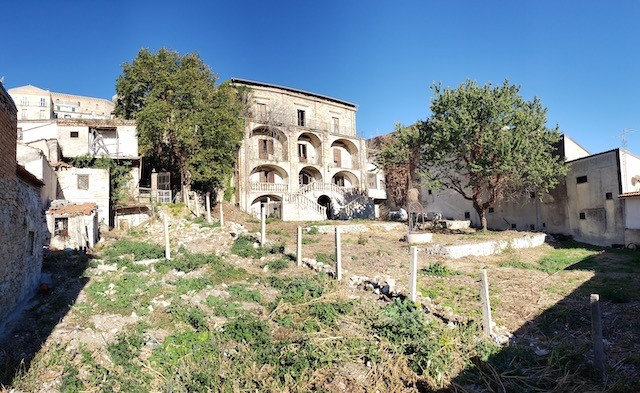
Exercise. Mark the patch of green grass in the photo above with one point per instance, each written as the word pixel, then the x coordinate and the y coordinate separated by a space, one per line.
pixel 362 239
pixel 300 289
pixel 277 265
pixel 313 230
pixel 437 269
pixel 241 293
pixel 515 263
pixel 223 307
pixel 310 240
pixel 129 292
pixel 243 247
pixel 192 316
pixel 461 297
pixel 247 329
pixel 326 259
pixel 197 284
pixel 278 232
pixel 188 262
pixel 139 250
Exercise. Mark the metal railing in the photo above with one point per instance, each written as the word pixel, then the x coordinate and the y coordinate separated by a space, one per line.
pixel 283 121
pixel 145 195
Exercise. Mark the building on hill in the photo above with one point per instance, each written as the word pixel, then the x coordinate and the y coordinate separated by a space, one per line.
pixel 34 103
pixel 21 218
pixel 301 156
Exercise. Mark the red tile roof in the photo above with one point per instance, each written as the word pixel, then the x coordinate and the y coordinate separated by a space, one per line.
pixel 74 209
pixel 630 194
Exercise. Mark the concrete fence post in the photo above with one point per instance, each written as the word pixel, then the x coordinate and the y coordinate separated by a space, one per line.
pixel 208 206
pixel 486 305
pixel 167 247
pixel 299 247
pixel 338 255
pixel 221 215
pixel 263 224
pixel 413 273
pixel 196 199
pixel 596 336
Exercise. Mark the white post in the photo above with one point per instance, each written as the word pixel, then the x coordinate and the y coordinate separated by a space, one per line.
pixel 486 305
pixel 596 336
pixel 338 255
pixel 221 215
pixel 413 273
pixel 299 248
pixel 196 200
pixel 263 225
pixel 208 203
pixel 167 248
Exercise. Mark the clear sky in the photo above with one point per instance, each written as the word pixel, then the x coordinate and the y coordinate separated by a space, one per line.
pixel 580 57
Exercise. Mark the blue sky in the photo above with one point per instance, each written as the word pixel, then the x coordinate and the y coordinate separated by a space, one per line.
pixel 580 57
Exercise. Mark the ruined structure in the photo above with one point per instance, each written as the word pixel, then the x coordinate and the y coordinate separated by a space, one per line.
pixel 21 219
pixel 301 157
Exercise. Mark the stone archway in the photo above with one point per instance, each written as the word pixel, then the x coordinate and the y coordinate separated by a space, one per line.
pixel 325 201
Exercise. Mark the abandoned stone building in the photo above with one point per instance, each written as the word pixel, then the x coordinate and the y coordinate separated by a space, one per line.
pixel 301 157
pixel 21 218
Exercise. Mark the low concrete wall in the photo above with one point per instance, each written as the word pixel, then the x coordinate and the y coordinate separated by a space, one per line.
pixel 486 248
pixel 359 228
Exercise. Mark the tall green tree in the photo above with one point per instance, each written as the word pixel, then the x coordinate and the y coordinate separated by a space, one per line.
pixel 186 123
pixel 488 143
pixel 398 157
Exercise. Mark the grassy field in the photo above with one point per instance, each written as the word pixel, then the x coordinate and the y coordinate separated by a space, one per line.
pixel 248 319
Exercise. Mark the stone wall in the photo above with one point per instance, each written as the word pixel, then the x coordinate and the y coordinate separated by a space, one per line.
pixel 8 134
pixel 21 238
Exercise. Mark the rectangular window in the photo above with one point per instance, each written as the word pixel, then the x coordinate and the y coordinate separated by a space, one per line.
pixel 24 101
pixel 609 195
pixel 544 224
pixel 58 107
pixel 74 134
pixel 302 152
pixel 61 227
pixel 532 227
pixel 42 114
pixel 335 124
pixel 262 111
pixel 491 210
pixel 43 102
pixel 337 158
pixel 83 182
pixel 267 177
pixel 301 118
pixel 583 216
pixel 73 109
pixel 581 179
pixel 513 226
pixel 429 192
pixel 467 215
pixel 24 114
pixel 371 180
pixel 265 147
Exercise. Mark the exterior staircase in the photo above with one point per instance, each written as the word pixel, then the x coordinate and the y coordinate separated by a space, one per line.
pixel 346 202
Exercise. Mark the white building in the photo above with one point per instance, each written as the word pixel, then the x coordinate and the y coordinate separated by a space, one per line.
pixel 34 103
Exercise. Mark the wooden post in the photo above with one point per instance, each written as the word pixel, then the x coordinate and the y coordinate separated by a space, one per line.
pixel 596 336
pixel 413 273
pixel 338 255
pixel 208 205
pixel 221 215
pixel 299 248
pixel 486 305
pixel 167 248
pixel 263 224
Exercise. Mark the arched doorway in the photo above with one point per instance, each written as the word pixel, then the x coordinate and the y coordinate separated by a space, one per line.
pixel 325 201
pixel 272 203
pixel 309 175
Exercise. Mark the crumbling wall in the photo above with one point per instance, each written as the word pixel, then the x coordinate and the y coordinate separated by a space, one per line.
pixel 21 238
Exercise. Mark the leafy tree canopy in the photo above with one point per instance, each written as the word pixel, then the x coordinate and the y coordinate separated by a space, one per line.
pixel 186 124
pixel 488 143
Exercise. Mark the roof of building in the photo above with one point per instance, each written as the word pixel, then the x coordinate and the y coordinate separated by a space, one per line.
pixel 28 89
pixel 27 176
pixel 271 85
pixel 629 194
pixel 73 209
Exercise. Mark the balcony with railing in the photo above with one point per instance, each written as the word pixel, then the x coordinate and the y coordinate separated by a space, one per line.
pixel 294 121
pixel 269 187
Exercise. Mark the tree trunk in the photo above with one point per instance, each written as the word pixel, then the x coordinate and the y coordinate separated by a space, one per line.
pixel 482 213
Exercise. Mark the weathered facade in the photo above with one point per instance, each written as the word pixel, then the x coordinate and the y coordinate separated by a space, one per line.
pixel 301 156
pixel 83 185
pixel 34 103
pixel 21 219
pixel 73 225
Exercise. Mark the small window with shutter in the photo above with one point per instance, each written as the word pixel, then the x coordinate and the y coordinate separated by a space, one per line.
pixel 337 158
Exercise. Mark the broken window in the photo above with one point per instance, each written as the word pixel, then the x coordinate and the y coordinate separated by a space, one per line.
pixel 61 227
pixel 581 179
pixel 267 176
pixel 301 118
pixel 304 178
pixel 265 147
pixel 83 182
pixel 302 152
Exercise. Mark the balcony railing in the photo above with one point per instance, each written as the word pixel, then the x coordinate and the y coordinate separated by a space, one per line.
pixel 269 187
pixel 280 121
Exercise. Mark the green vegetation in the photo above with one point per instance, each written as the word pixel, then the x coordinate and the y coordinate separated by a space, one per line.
pixel 119 175
pixel 437 269
pixel 492 135
pixel 243 247
pixel 277 265
pixel 139 250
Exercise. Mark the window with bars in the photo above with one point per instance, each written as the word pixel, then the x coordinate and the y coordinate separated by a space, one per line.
pixel 83 182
